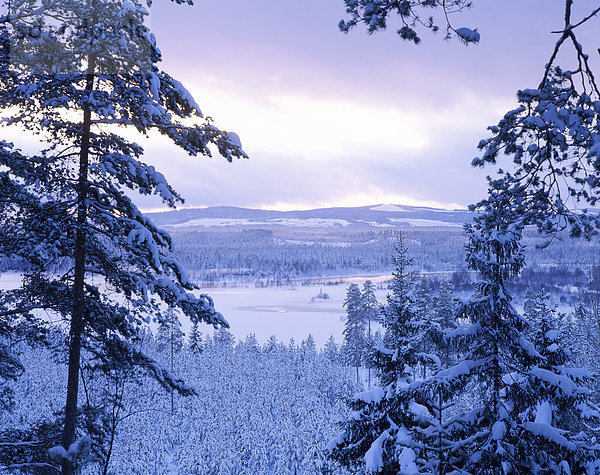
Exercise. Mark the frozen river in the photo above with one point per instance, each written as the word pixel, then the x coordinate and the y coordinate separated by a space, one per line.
pixel 286 312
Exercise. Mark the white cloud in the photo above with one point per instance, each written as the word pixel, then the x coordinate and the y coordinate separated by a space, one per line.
pixel 315 128
pixel 361 199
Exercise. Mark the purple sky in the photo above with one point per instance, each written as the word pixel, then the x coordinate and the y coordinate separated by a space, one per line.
pixel 331 119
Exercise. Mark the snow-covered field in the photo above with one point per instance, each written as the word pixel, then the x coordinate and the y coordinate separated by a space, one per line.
pixel 290 222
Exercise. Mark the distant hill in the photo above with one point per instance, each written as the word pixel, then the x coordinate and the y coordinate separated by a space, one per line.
pixel 377 216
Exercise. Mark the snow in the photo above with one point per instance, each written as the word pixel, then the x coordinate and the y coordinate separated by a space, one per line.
pixel 543 413
pixel 298 242
pixel 529 348
pixel 407 462
pixel 566 469
pixel 553 334
pixel 374 456
pixel 498 430
pixel 171 459
pixel 185 94
pixel 425 222
pixel 532 93
pixel 375 224
pixel 463 368
pixel 311 222
pixel 372 396
pixel 333 443
pixel 576 373
pixel 551 433
pixel 234 139
pixel 418 409
pixel 388 208
pixel 285 312
pixel 468 35
pixel 10 280
pixel 154 86
pixel 127 6
pixel 77 450
pixel 567 386
pixel 58 453
pixel 552 348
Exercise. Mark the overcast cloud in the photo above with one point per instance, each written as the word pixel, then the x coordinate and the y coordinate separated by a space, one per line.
pixel 333 119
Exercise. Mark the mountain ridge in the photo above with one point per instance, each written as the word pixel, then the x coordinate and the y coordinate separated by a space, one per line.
pixel 377 216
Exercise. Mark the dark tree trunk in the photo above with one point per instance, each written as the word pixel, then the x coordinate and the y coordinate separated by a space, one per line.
pixel 172 370
pixel 370 342
pixel 78 312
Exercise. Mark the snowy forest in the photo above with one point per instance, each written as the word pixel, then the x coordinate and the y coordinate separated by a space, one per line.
pixel 477 350
pixel 265 256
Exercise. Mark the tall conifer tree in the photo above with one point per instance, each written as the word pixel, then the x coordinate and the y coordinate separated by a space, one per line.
pixel 383 433
pixel 354 330
pixel 90 256
pixel 499 431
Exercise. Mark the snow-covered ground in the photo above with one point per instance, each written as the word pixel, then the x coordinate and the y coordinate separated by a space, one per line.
pixel 418 222
pixel 9 280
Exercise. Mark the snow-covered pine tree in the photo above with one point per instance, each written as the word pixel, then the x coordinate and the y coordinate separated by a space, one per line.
pixel 371 311
pixel 444 304
pixel 331 350
pixel 90 256
pixel 529 302
pixel 443 316
pixel 423 311
pixel 422 297
pixel 195 340
pixel 486 436
pixel 169 335
pixel 383 434
pixel 272 345
pixel 223 339
pixel 309 346
pixel 292 347
pixel 554 413
pixel 436 393
pixel 492 434
pixel 354 329
pixel 370 305
pixel 249 345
